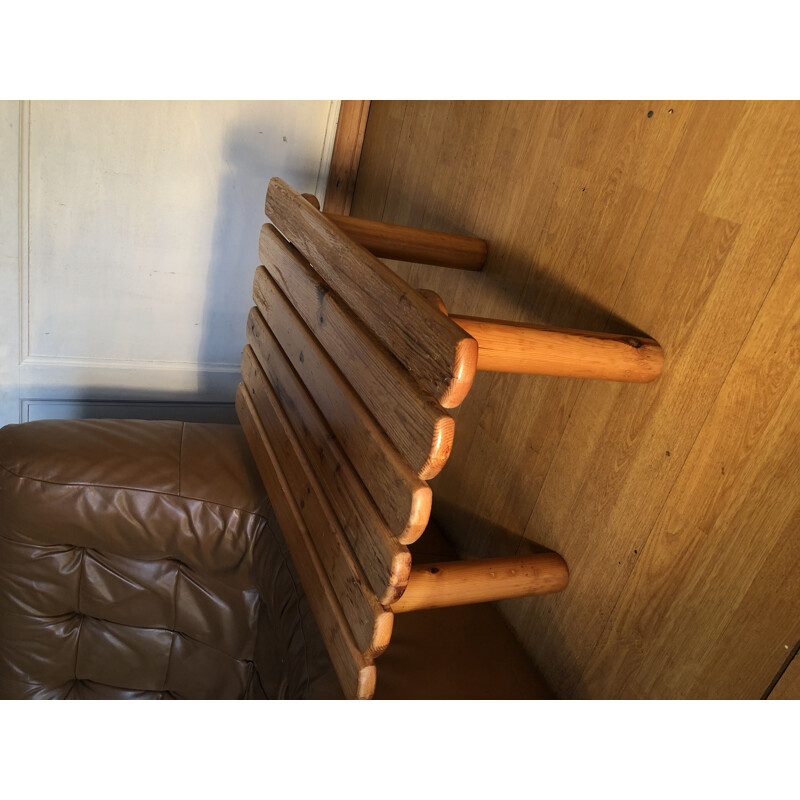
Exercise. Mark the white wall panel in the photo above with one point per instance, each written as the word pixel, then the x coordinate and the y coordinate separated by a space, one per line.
pixel 140 225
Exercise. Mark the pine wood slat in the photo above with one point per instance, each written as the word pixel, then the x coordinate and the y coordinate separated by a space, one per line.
pixel 435 350
pixel 403 243
pixel 421 430
pixel 355 671
pixel 385 562
pixel 370 623
pixel 402 498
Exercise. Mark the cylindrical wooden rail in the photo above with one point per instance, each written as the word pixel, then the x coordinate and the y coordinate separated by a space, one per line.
pixel 402 243
pixel 458 583
pixel 508 346
pixel 542 350
pixel 413 244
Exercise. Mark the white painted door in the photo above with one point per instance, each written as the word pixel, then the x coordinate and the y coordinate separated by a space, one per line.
pixel 128 243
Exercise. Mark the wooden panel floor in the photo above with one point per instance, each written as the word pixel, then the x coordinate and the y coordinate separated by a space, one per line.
pixel 676 504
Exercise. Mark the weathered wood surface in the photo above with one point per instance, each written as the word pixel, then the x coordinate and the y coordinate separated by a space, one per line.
pixel 435 350
pixel 356 672
pixel 420 429
pixel 403 499
pixel 385 562
pixel 370 623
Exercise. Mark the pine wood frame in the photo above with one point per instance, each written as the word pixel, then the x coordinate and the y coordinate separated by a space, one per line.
pixel 339 346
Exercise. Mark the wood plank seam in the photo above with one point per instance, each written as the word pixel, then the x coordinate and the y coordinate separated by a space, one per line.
pixel 403 498
pixel 419 427
pixel 385 561
pixel 356 672
pixel 444 363
pixel 782 671
pixel 367 619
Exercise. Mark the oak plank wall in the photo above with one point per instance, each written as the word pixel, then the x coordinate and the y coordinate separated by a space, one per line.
pixel 676 504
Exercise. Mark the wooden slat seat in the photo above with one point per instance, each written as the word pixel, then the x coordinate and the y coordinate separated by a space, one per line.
pixel 348 376
pixel 434 349
pixel 355 670
pixel 386 562
pixel 418 426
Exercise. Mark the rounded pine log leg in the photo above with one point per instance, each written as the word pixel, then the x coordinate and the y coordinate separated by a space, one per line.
pixel 542 350
pixel 402 243
pixel 456 583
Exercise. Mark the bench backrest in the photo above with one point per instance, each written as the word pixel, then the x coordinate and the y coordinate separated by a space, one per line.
pixel 347 378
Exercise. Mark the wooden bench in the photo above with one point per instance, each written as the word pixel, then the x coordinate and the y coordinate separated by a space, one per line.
pixel 348 376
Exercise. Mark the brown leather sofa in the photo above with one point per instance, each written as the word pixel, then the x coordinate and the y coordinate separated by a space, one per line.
pixel 141 559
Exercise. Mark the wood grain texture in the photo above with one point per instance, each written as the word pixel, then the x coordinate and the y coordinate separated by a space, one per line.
pixel 757 402
pixel 349 140
pixel 356 672
pixel 544 350
pixel 402 498
pixel 674 502
pixel 385 562
pixel 435 350
pixel 434 299
pixel 420 429
pixel 370 623
pixel 482 580
pixel 403 243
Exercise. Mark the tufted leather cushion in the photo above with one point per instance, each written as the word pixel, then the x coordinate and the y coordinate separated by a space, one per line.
pixel 141 559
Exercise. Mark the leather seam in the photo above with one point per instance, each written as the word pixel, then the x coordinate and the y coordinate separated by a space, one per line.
pixel 7 677
pixel 106 556
pixel 249 681
pixel 174 614
pixel 80 622
pixel 114 686
pixel 86 681
pixel 136 627
pixel 81 484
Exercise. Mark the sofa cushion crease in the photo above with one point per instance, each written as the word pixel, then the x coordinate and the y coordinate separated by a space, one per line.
pixel 141 559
